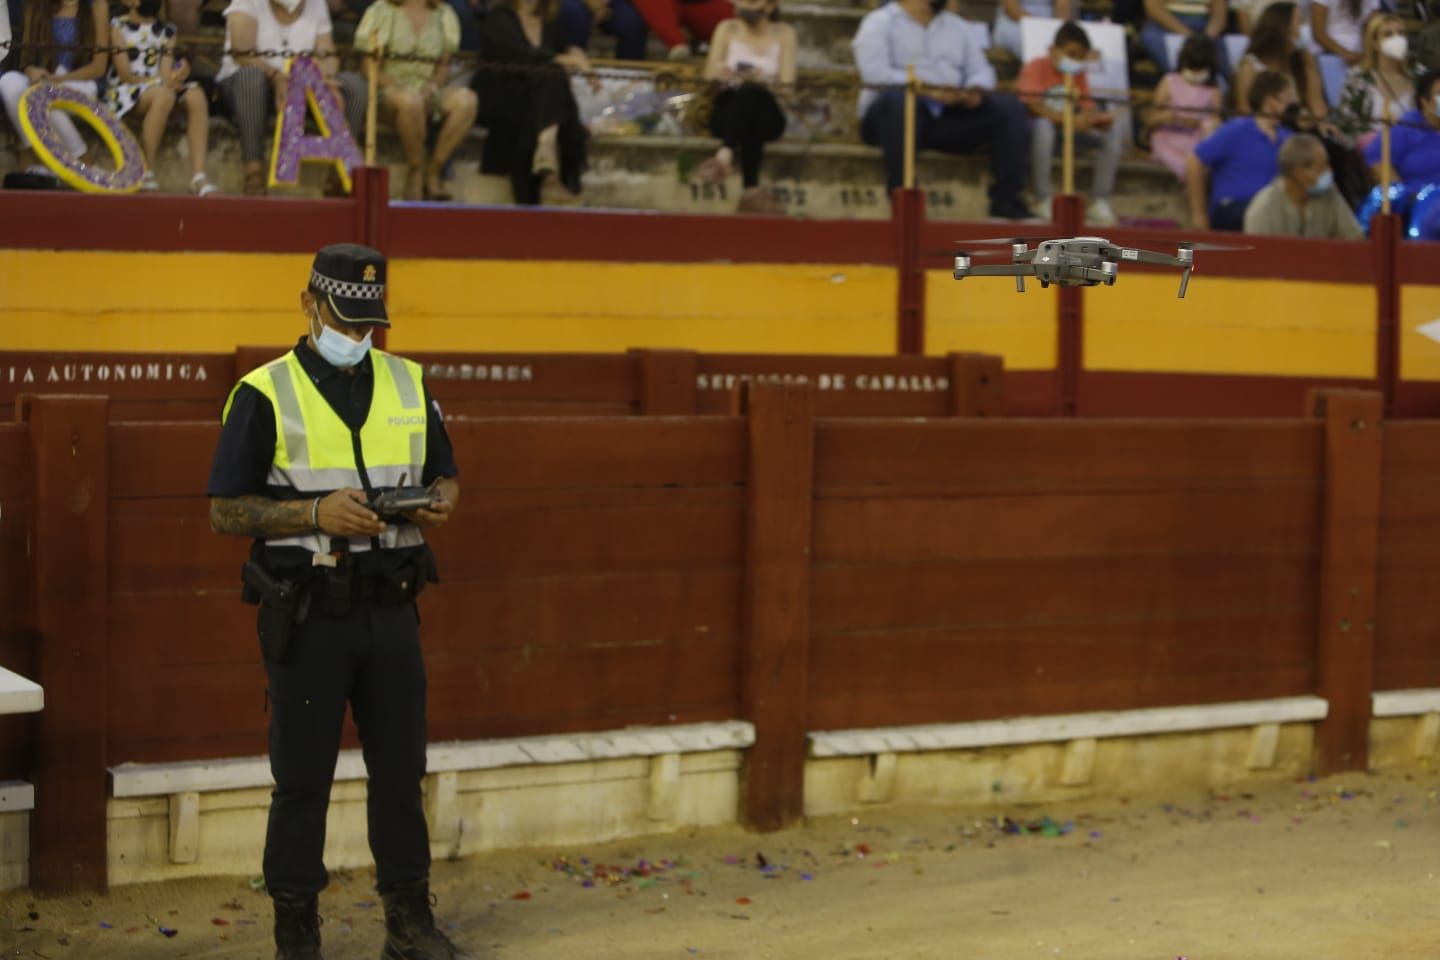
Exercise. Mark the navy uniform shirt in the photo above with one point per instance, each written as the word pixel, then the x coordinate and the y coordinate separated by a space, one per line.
pixel 247 440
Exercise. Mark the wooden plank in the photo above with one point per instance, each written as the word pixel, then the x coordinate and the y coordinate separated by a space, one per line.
pixel 596 379
pixel 777 600
pixel 217 700
pixel 150 460
pixel 183 629
pixel 128 377
pixel 69 446
pixel 484 543
pixel 984 456
pixel 667 382
pixel 1059 590
pixel 1114 393
pixel 1349 545
pixel 977 385
pixel 1278 520
pixel 1033 698
pixel 916 660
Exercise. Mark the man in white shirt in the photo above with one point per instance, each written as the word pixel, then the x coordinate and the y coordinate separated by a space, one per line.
pixel 958 110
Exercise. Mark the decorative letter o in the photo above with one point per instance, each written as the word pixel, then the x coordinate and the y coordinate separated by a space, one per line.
pixel 35 107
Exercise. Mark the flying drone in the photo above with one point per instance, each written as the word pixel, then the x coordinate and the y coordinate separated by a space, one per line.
pixel 1077 262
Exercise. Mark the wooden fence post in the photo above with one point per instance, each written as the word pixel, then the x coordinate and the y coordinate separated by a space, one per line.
pixel 907 213
pixel 1349 544
pixel 977 385
pixel 1069 214
pixel 776 614
pixel 372 216
pixel 1385 229
pixel 69 439
pixel 667 382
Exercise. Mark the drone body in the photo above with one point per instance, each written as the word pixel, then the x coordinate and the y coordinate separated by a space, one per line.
pixel 1075 262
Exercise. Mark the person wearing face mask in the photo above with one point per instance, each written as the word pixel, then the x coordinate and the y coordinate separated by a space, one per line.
pixel 253 85
pixel 1186 108
pixel 1235 162
pixel 1275 45
pixel 306 441
pixel 750 56
pixel 958 110
pixel 1303 200
pixel 1382 83
pixel 1042 87
pixel 1415 140
pixel 146 78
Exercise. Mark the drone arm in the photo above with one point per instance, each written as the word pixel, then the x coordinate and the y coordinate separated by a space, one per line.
pixel 1002 270
pixel 1131 255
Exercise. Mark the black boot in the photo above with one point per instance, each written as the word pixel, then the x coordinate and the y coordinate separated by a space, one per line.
pixel 297 927
pixel 410 932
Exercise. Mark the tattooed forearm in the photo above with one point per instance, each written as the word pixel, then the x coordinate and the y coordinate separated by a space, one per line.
pixel 263 517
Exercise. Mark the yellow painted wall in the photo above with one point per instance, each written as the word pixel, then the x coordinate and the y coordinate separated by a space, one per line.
pixel 1419 355
pixel 1234 326
pixel 609 307
pixel 213 302
pixel 988 316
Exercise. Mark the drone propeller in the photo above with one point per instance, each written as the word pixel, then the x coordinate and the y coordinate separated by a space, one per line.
pixel 1007 241
pixel 1216 247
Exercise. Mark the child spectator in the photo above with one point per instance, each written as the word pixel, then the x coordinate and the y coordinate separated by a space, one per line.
pixel 1415 141
pixel 1339 25
pixel 1382 81
pixel 749 55
pixel 1275 45
pixel 1303 200
pixel 252 84
pixel 145 77
pixel 1009 13
pixel 534 131
pixel 1240 157
pixel 1042 88
pixel 1186 108
pixel 619 18
pixel 959 110
pixel 671 18
pixel 53 50
pixel 1185 17
pixel 414 92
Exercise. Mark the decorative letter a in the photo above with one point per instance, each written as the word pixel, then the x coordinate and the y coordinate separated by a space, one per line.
pixel 307 91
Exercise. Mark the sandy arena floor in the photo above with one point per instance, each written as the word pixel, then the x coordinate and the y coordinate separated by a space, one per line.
pixel 1345 868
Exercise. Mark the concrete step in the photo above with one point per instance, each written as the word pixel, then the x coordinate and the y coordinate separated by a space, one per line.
pixel 820 180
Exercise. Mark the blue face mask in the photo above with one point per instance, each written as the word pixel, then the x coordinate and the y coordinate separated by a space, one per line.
pixel 1322 185
pixel 1437 103
pixel 337 349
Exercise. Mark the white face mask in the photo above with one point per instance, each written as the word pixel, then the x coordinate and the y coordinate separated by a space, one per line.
pixel 337 349
pixel 1072 67
pixel 1195 77
pixel 1395 47
pixel 291 5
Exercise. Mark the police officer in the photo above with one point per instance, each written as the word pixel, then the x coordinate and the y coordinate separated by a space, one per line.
pixel 308 440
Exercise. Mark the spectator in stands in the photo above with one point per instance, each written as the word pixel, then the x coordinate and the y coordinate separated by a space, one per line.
pixel 670 19
pixel 413 92
pixel 1010 12
pixel 1275 45
pixel 146 78
pixel 1381 84
pixel 619 18
pixel 52 50
pixel 1185 17
pixel 1042 88
pixel 258 35
pixel 1303 200
pixel 1240 157
pixel 1415 141
pixel 1339 26
pixel 748 55
pixel 959 110
pixel 1186 108
pixel 6 31
pixel 534 131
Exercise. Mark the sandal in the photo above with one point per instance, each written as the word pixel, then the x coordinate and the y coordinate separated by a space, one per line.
pixel 201 186
pixel 712 170
pixel 254 184
pixel 435 186
pixel 149 183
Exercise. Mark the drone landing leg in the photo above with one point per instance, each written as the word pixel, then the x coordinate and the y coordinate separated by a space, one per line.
pixel 1184 283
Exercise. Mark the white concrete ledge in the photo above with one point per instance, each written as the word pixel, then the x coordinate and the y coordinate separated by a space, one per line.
pixel 200 776
pixel 1065 727
pixel 16 795
pixel 1405 703
pixel 18 695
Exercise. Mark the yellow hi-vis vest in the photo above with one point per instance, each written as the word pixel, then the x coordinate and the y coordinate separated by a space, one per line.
pixel 314 450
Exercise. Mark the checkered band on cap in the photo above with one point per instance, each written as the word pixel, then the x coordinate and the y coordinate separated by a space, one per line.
pixel 343 288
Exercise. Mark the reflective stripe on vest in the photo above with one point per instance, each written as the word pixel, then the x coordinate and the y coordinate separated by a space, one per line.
pixel 314 454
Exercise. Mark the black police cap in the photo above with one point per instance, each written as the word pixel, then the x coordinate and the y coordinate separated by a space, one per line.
pixel 351 278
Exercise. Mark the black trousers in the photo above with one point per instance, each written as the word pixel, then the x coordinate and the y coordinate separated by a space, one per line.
pixel 746 119
pixel 370 660
pixel 1000 121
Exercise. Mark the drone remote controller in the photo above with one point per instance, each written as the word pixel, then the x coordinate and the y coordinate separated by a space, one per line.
pixel 391 505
